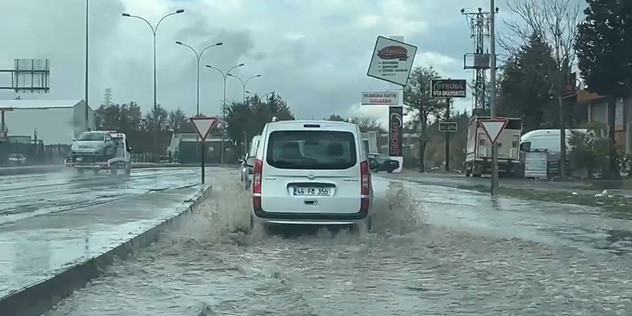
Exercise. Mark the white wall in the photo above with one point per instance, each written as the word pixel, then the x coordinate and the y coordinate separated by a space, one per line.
pixel 79 118
pixel 54 125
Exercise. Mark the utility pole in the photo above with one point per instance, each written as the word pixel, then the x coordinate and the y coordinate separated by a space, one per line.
pixel 86 112
pixel 107 100
pixel 492 97
pixel 479 26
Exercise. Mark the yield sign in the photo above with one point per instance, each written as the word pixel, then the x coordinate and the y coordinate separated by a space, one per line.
pixel 203 125
pixel 493 128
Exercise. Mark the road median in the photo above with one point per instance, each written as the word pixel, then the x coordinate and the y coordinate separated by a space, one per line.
pixel 117 230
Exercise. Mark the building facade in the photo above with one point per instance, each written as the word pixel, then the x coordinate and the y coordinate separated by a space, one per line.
pixel 54 122
pixel 598 112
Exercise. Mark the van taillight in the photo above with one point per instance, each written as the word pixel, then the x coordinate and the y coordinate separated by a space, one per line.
pixel 365 177
pixel 256 178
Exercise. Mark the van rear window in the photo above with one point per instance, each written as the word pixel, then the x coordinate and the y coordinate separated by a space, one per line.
pixel 311 150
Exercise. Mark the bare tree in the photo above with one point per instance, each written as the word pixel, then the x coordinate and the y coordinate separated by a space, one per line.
pixel 555 22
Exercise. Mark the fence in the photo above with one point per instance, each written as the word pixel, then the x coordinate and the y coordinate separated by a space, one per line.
pixel 35 153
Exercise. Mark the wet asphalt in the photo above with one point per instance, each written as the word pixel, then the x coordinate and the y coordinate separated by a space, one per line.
pixel 49 222
pixel 434 250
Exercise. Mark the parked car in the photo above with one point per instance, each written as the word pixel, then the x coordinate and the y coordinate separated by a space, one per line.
pixel 384 163
pixel 17 160
pixel 311 173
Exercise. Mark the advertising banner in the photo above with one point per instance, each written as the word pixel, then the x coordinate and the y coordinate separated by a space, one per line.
pixel 395 129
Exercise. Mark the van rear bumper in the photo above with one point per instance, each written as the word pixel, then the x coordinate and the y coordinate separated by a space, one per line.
pixel 310 218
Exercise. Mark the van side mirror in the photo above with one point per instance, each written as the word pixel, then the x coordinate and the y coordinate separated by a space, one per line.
pixel 129 149
pixel 373 163
pixel 250 161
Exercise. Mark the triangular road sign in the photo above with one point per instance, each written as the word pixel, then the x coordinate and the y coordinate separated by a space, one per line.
pixel 493 128
pixel 203 125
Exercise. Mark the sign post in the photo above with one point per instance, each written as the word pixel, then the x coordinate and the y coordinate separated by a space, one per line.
pixel 203 126
pixel 448 89
pixel 380 98
pixel 493 127
pixel 392 60
pixel 447 127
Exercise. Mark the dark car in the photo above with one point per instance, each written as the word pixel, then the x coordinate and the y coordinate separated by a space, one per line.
pixel 384 163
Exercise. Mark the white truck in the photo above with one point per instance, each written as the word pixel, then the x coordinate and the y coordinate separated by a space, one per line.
pixel 100 150
pixel 478 159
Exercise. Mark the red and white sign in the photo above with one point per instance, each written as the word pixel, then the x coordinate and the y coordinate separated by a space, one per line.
pixel 493 128
pixel 203 125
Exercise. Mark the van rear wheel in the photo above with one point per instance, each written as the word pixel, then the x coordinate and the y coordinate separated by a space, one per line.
pixel 364 227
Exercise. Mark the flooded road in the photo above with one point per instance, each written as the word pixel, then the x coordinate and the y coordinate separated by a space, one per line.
pixel 433 251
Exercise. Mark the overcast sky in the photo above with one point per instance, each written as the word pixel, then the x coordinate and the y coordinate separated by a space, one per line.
pixel 315 54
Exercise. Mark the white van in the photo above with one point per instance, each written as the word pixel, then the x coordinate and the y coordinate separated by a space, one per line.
pixel 246 172
pixel 311 173
pixel 548 139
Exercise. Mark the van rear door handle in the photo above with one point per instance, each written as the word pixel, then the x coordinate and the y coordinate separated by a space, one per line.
pixel 311 202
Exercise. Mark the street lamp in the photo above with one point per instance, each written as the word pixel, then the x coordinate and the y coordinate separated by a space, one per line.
pixel 198 56
pixel 154 29
pixel 244 83
pixel 224 75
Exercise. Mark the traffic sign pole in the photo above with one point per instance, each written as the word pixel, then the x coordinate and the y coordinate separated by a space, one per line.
pixel 492 97
pixel 447 135
pixel 203 126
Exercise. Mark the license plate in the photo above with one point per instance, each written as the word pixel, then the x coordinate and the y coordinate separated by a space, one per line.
pixel 79 159
pixel 302 191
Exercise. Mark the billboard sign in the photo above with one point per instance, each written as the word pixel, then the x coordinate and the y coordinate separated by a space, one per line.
pixel 448 88
pixel 392 60
pixel 395 129
pixel 31 75
pixel 380 98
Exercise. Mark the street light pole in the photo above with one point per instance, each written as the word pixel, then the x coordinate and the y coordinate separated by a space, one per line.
pixel 154 30
pixel 244 83
pixel 198 57
pixel 86 87
pixel 224 76
pixel 492 97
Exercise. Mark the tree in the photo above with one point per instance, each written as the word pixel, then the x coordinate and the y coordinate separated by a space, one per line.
pixel 525 91
pixel 421 105
pixel 604 43
pixel 555 22
pixel 248 118
pixel 178 122
pixel 336 118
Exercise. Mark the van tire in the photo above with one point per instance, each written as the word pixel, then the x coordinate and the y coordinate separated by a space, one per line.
pixel 364 227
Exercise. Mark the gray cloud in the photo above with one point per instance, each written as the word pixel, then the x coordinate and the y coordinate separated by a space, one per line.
pixel 314 53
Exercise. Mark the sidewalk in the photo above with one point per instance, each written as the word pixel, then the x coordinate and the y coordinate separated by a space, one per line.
pixel 43 257
pixel 460 181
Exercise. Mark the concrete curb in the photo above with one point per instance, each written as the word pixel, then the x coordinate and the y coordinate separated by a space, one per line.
pixel 39 298
pixel 14 171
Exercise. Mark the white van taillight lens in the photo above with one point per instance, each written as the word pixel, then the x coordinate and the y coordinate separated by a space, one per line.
pixel 365 177
pixel 256 177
